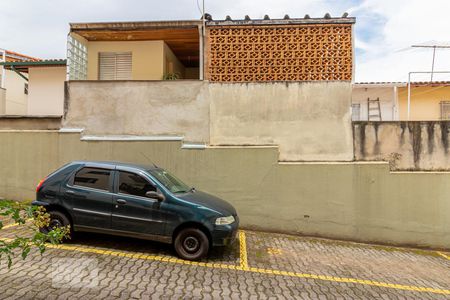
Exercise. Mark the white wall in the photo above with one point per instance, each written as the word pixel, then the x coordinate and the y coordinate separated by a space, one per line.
pixel 16 99
pixel 46 91
pixel 2 101
pixel 389 108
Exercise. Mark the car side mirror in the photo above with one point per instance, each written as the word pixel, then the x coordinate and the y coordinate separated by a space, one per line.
pixel 155 195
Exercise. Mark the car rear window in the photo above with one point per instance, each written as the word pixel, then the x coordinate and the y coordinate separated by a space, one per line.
pixel 93 178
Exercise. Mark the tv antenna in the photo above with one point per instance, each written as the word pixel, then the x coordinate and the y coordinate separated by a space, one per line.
pixel 433 46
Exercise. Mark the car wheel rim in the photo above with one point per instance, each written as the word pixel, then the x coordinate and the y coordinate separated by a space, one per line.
pixel 191 244
pixel 55 223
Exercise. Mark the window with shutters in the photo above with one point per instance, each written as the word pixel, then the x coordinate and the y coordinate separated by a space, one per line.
pixel 115 66
pixel 445 110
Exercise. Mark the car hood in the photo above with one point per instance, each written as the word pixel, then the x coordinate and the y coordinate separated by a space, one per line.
pixel 209 201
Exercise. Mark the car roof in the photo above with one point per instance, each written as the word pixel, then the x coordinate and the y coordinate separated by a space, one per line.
pixel 116 163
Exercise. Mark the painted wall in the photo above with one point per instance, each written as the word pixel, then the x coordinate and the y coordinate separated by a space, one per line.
pixel 388 101
pixel 359 201
pixel 2 101
pixel 147 58
pixel 424 102
pixel 178 108
pixel 30 122
pixel 309 121
pixel 172 64
pixel 46 91
pixel 407 145
pixel 16 99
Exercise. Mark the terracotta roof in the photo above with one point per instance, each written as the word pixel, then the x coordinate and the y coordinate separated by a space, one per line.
pixel 326 19
pixel 402 83
pixel 15 56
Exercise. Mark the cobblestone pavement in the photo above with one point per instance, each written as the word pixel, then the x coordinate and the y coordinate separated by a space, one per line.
pixel 259 265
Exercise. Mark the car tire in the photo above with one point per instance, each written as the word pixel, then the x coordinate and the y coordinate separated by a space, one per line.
pixel 57 219
pixel 191 244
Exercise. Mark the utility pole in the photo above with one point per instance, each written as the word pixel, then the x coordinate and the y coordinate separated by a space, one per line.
pixel 434 47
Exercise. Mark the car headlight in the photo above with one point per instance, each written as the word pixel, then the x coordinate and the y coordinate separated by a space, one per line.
pixel 225 220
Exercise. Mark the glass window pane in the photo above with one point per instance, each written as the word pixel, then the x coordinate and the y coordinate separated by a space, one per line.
pixel 93 178
pixel 133 184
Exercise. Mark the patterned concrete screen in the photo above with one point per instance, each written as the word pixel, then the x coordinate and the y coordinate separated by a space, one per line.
pixel 280 52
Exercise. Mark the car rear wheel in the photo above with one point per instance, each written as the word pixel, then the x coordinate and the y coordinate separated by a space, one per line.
pixel 191 244
pixel 57 219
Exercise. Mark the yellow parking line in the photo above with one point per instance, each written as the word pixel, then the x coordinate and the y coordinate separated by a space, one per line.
pixel 243 250
pixel 11 225
pixel 443 255
pixel 15 224
pixel 244 267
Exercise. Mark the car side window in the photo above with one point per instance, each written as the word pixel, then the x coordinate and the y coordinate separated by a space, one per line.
pixel 134 184
pixel 93 178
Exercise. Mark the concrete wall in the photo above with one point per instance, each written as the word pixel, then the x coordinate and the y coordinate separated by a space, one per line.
pixel 178 108
pixel 147 58
pixel 424 102
pixel 407 145
pixel 358 201
pixel 46 91
pixel 388 101
pixel 309 121
pixel 16 99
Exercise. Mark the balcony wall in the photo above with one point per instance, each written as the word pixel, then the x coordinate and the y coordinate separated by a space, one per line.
pixel 308 121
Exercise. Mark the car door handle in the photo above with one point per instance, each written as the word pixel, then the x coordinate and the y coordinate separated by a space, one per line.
pixel 121 201
pixel 70 192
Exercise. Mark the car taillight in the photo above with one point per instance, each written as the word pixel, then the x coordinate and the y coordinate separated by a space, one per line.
pixel 40 184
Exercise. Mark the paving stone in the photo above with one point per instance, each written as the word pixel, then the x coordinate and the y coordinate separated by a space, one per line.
pixel 122 277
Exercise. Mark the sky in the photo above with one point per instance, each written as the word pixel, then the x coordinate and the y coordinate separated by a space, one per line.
pixel 385 30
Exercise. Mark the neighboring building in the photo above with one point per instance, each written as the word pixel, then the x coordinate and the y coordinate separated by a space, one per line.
pixel 13 86
pixel 385 92
pixel 45 85
pixel 282 83
pixel 429 101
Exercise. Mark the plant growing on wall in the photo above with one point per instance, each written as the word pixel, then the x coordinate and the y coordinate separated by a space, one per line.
pixel 171 76
pixel 33 218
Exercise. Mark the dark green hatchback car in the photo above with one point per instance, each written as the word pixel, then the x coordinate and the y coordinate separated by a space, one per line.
pixel 137 201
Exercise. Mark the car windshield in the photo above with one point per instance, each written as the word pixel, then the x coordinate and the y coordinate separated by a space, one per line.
pixel 172 183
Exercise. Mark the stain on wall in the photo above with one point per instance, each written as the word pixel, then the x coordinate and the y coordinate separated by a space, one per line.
pixel 416 145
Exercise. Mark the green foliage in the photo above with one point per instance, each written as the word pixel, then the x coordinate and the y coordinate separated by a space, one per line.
pixel 171 76
pixel 34 218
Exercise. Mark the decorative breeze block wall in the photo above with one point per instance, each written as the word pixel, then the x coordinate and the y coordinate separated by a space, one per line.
pixel 279 52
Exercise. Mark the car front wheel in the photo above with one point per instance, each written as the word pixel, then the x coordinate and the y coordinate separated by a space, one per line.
pixel 191 244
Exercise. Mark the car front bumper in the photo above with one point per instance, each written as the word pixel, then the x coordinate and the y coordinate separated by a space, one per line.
pixel 224 235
